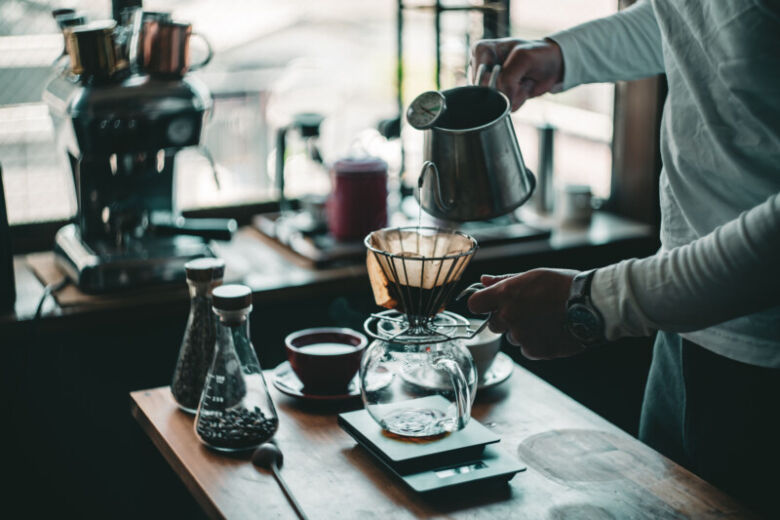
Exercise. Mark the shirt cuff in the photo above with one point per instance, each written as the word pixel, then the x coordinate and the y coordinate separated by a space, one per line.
pixel 605 298
pixel 571 51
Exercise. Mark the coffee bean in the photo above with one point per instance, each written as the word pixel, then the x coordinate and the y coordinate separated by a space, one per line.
pixel 236 429
pixel 196 353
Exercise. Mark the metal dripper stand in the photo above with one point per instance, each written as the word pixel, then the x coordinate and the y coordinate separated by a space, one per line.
pixel 414 272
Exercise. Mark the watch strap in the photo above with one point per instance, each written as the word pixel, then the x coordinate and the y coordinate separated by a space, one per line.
pixel 579 295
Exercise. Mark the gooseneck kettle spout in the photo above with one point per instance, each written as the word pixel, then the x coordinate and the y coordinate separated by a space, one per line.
pixel 430 166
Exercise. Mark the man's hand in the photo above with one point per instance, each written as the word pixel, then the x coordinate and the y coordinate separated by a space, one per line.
pixel 528 68
pixel 531 308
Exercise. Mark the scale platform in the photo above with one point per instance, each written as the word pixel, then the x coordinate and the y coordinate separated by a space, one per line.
pixel 456 459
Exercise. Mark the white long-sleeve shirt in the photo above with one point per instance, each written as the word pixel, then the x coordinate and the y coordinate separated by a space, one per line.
pixel 716 279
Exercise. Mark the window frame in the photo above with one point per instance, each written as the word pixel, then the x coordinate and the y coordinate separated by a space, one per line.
pixel 636 154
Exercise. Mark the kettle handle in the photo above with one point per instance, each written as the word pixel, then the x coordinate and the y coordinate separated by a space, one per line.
pixel 493 75
pixel 468 291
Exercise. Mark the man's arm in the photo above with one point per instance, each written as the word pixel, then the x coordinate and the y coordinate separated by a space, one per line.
pixel 731 272
pixel 624 46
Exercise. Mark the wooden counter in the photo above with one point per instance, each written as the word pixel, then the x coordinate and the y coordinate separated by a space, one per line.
pixel 579 466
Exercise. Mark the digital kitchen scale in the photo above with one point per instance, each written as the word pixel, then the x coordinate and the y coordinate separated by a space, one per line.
pixel 456 459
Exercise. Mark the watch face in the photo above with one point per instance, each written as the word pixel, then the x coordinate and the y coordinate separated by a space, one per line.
pixel 584 324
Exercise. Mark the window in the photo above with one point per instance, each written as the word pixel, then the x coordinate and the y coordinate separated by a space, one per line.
pixel 581 116
pixel 273 59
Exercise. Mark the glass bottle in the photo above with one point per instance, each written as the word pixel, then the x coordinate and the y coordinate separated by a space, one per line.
pixel 236 412
pixel 197 346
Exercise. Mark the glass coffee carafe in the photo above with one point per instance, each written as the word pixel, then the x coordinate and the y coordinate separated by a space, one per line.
pixel 418 379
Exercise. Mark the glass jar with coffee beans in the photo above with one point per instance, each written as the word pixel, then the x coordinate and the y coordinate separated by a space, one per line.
pixel 197 346
pixel 236 411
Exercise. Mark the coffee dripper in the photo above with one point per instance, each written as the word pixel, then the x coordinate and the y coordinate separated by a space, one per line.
pixel 418 379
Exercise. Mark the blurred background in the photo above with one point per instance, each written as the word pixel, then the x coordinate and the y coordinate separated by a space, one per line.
pixel 275 59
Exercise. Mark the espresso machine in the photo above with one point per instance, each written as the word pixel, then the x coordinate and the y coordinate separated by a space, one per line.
pixel 121 128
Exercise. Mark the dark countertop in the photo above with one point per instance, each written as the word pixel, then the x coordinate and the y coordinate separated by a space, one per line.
pixel 274 277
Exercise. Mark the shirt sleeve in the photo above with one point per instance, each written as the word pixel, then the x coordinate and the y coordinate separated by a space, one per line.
pixel 623 46
pixel 733 271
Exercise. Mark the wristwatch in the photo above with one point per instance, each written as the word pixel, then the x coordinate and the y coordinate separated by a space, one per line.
pixel 583 320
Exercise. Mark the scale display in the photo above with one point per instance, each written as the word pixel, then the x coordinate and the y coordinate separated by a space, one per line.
pixel 460 470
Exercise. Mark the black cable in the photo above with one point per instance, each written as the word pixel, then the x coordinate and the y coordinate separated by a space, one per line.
pixel 48 291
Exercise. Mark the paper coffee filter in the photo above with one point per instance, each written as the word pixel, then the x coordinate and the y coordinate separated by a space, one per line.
pixel 423 244
pixel 416 258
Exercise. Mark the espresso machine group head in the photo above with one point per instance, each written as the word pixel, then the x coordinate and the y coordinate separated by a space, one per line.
pixel 121 133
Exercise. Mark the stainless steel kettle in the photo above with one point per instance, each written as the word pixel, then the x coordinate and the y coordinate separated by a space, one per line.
pixel 473 167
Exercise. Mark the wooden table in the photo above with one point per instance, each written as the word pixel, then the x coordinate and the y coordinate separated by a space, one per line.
pixel 579 466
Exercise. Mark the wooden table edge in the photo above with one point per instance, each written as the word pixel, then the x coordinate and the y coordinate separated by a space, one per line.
pixel 733 506
pixel 186 476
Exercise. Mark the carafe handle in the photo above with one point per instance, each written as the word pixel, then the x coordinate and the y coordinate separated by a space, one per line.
pixel 459 385
pixel 468 291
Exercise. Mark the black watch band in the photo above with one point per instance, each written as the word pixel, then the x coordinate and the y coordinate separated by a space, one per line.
pixel 583 321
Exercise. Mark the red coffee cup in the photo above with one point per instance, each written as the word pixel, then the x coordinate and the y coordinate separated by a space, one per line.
pixel 358 202
pixel 325 359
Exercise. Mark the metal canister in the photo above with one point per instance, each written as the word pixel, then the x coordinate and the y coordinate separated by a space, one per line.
pixel 66 18
pixel 166 48
pixel 139 41
pixel 91 49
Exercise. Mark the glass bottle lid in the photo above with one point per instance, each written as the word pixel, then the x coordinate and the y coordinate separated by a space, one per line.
pixel 205 269
pixel 426 109
pixel 233 297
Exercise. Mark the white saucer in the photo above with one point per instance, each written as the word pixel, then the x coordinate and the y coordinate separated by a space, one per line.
pixel 286 381
pixel 499 371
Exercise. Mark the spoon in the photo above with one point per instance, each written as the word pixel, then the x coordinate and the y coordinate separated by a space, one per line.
pixel 269 457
